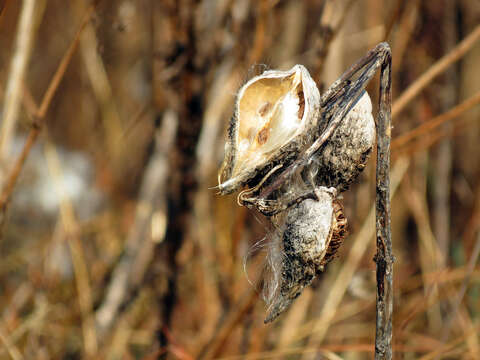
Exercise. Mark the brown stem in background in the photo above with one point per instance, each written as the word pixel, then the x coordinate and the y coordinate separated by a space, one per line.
pixel 329 32
pixel 72 233
pixel 259 41
pixel 461 293
pixel 443 157
pixel 434 123
pixel 147 231
pixel 39 117
pixel 246 302
pixel 433 138
pixel 30 15
pixel 393 19
pixel 436 69
pixel 190 84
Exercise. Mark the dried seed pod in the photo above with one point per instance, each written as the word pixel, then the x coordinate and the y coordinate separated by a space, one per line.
pixel 308 239
pixel 275 117
pixel 345 154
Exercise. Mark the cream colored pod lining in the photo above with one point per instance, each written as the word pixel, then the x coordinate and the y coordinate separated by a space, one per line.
pixel 272 112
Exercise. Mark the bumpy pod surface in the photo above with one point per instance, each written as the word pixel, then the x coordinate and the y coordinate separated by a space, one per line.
pixel 344 155
pixel 308 239
pixel 275 117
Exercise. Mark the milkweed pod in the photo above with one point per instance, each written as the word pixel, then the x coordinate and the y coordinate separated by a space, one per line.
pixel 308 239
pixel 276 115
pixel 344 155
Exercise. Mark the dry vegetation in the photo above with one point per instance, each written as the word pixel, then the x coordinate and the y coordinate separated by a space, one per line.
pixel 113 244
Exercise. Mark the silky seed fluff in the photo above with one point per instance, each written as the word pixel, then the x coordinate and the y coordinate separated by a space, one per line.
pixel 305 237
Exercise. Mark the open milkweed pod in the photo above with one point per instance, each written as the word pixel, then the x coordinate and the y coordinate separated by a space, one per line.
pixel 275 116
pixel 308 237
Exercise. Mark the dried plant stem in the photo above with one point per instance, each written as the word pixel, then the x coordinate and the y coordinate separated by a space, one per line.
pixel 12 350
pixel 330 31
pixel 102 89
pixel 443 154
pixel 150 214
pixel 125 326
pixel 384 257
pixel 473 223
pixel 392 19
pixel 260 32
pixel 294 319
pixel 31 323
pixel 406 28
pixel 449 346
pixel 231 322
pixel 39 116
pixel 12 178
pixel 343 278
pixel 62 67
pixel 430 256
pixel 31 10
pixel 471 266
pixel 435 70
pixel 429 126
pixel 433 138
pixel 72 232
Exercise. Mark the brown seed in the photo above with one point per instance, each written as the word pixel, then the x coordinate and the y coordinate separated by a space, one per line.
pixel 301 104
pixel 262 136
pixel 263 109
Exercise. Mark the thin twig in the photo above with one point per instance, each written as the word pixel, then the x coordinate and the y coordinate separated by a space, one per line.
pixel 12 350
pixel 150 214
pixel 39 118
pixel 436 69
pixel 394 15
pixel 230 323
pixel 454 343
pixel 429 253
pixel 437 121
pixel 442 163
pixel 260 32
pixel 102 89
pixel 62 68
pixel 461 293
pixel 329 33
pixel 72 232
pixel 404 33
pixel 20 59
pixel 433 138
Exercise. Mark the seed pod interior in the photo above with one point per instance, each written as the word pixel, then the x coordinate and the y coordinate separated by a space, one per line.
pixel 275 115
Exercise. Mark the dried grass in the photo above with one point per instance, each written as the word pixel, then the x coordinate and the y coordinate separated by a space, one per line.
pixel 167 251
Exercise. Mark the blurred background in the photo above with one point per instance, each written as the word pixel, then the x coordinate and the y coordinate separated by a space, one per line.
pixel 113 244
